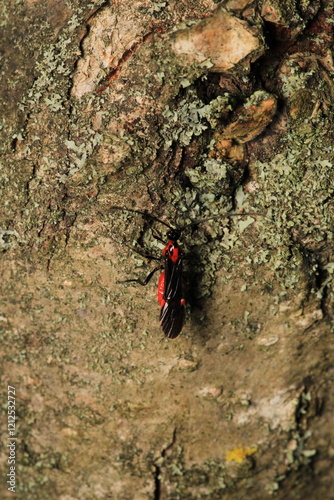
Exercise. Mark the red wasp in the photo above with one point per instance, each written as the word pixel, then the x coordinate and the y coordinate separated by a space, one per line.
pixel 170 293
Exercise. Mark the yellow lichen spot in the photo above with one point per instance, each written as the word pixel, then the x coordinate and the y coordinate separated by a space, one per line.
pixel 238 455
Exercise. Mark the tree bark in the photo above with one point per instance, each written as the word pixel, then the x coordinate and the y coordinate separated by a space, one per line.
pixel 186 110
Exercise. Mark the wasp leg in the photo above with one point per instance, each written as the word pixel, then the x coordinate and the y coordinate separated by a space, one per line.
pixel 146 280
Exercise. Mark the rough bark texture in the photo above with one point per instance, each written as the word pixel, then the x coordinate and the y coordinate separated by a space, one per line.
pixel 187 109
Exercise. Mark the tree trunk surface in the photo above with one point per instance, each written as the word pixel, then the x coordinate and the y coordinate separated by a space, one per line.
pixel 119 118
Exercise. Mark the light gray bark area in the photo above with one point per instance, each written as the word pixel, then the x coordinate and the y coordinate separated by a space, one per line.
pixel 187 110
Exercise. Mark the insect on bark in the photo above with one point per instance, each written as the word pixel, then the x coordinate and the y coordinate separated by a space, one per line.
pixel 170 286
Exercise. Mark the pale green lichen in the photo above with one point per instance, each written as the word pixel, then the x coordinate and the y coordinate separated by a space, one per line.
pixel 190 117
pixel 296 185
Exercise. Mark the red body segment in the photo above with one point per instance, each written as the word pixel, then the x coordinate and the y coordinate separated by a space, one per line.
pixel 172 251
pixel 161 289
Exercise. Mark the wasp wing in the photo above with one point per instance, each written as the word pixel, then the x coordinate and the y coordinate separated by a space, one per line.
pixel 173 311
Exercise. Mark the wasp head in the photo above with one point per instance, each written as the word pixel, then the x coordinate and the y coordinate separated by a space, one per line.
pixel 173 234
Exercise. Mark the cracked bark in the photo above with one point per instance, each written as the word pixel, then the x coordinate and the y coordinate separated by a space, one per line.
pixel 136 106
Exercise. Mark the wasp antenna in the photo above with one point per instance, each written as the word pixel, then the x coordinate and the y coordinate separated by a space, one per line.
pixel 220 216
pixel 244 213
pixel 143 213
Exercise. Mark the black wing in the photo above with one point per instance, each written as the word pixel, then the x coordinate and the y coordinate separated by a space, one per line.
pixel 173 311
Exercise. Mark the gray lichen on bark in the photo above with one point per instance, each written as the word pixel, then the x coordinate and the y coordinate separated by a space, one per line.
pixel 186 109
